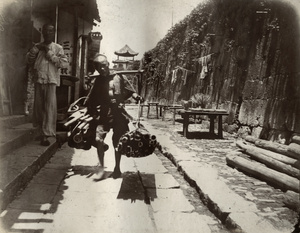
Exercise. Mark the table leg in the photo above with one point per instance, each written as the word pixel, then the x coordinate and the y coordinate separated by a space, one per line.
pixel 220 129
pixel 174 112
pixel 157 111
pixel 148 111
pixel 160 111
pixel 212 124
pixel 185 124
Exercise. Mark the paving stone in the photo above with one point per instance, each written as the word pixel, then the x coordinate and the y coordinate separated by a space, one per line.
pixel 206 177
pixel 268 209
pixel 34 197
pixel 27 222
pixel 49 176
pixel 180 222
pixel 250 196
pixel 87 184
pixel 12 217
pixel 264 189
pixel 259 183
pixel 58 166
pixel 251 223
pixel 277 195
pixel 268 214
pixel 150 164
pixel 160 181
pixel 280 208
pixel 169 200
pixel 267 200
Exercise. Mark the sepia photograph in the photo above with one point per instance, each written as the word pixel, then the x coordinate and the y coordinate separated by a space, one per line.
pixel 150 116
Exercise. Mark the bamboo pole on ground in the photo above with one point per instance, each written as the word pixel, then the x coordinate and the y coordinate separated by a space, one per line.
pixel 255 169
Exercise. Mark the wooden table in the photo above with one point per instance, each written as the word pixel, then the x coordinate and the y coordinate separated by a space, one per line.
pixel 211 113
pixel 172 107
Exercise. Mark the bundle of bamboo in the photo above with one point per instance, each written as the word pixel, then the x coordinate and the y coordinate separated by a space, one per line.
pixel 79 130
pixel 137 143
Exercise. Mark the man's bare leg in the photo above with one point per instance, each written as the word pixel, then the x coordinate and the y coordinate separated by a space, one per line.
pixel 100 151
pixel 117 172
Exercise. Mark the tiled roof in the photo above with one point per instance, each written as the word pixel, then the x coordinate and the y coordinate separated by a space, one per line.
pixel 126 51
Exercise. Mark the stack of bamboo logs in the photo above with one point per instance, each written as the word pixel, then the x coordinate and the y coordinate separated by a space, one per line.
pixel 137 143
pixel 275 163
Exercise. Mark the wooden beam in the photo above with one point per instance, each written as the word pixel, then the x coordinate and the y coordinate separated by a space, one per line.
pixel 272 146
pixel 257 154
pixel 261 172
pixel 279 157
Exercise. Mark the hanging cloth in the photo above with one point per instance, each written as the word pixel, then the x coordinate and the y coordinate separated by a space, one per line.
pixel 204 61
pixel 174 76
pixel 203 68
pixel 184 76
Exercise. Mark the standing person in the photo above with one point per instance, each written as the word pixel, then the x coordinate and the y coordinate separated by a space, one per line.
pixel 109 93
pixel 46 58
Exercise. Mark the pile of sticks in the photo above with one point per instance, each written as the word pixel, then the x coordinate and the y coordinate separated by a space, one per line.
pixel 275 163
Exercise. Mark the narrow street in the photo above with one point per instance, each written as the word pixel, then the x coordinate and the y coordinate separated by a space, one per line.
pixel 213 86
pixel 65 197
pixel 186 187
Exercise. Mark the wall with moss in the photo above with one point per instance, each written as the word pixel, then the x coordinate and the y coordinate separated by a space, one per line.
pixel 253 71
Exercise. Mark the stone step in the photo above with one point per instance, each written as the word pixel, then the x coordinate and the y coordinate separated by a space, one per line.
pixel 7 122
pixel 21 157
pixel 14 137
pixel 18 167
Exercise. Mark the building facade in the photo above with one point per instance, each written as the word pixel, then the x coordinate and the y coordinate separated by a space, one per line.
pixel 21 22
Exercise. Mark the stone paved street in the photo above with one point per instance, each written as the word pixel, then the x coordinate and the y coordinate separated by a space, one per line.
pixel 185 187
pixel 199 148
pixel 65 197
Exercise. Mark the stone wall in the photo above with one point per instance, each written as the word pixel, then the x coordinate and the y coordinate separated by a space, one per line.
pixel 254 64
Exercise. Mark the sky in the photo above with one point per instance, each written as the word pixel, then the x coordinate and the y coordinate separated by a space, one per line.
pixel 138 23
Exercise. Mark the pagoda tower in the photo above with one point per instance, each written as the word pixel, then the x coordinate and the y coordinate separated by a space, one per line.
pixel 127 57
